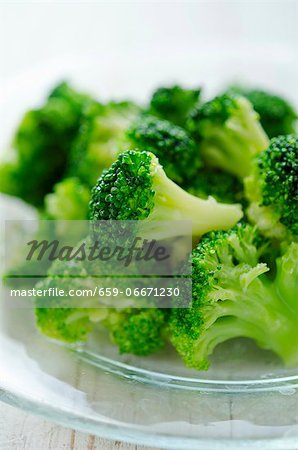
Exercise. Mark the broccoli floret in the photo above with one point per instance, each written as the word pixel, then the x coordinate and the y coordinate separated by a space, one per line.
pixel 41 146
pixel 138 331
pixel 59 321
pixel 175 149
pixel 277 115
pixel 136 188
pixel 228 133
pixel 64 324
pixel 69 201
pixel 174 103
pixel 101 135
pixel 108 130
pixel 223 186
pixel 232 298
pixel 272 189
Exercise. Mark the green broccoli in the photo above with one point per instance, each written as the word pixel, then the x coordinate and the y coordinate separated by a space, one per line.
pixel 58 320
pixel 69 201
pixel 136 188
pixel 138 331
pixel 224 187
pixel 233 298
pixel 100 139
pixel 41 146
pixel 228 133
pixel 272 189
pixel 108 130
pixel 175 149
pixel 277 115
pixel 174 103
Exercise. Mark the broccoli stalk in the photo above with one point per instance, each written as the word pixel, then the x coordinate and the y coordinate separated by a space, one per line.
pixel 272 191
pixel 233 298
pixel 136 188
pixel 228 133
pixel 277 115
pixel 173 203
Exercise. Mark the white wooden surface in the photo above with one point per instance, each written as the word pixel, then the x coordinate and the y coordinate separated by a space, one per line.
pixel 22 431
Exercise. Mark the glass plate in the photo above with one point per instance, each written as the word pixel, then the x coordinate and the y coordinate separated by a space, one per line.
pixel 246 399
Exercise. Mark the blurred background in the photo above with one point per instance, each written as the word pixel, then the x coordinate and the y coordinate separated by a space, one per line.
pixel 147 42
pixel 117 49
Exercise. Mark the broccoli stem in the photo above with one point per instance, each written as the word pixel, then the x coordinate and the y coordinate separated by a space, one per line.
pixel 224 329
pixel 253 129
pixel 233 146
pixel 172 203
pixel 258 314
pixel 231 152
pixel 286 280
pixel 223 150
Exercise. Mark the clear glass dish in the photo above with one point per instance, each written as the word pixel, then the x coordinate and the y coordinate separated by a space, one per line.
pixel 246 400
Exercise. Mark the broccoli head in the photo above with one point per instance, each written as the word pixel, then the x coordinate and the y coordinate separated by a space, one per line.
pixel 232 297
pixel 174 103
pixel 224 187
pixel 41 146
pixel 228 133
pixel 272 188
pixel 136 188
pixel 138 331
pixel 69 201
pixel 175 149
pixel 58 320
pixel 277 115
pixel 101 134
